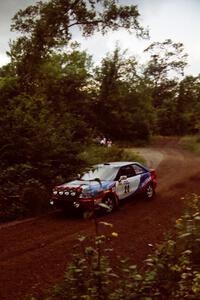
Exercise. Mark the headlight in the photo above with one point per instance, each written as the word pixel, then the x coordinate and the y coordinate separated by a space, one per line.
pixel 66 193
pixel 73 193
pixel 55 192
pixel 61 193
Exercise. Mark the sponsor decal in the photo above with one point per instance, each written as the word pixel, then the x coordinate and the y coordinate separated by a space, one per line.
pixel 126 187
pixel 145 182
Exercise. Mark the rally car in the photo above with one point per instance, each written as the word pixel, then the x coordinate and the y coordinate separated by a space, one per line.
pixel 104 186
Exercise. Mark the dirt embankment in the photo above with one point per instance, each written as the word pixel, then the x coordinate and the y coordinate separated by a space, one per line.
pixel 34 253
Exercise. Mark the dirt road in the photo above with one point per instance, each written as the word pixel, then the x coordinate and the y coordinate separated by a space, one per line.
pixel 34 253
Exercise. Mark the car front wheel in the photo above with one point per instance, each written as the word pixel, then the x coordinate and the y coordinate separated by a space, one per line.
pixel 110 203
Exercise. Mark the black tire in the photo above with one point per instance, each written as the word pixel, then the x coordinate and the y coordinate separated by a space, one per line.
pixel 149 192
pixel 110 202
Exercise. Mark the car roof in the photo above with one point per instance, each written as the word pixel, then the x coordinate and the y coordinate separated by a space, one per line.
pixel 119 163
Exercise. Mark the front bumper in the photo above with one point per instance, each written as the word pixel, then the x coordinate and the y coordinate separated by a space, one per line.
pixel 75 203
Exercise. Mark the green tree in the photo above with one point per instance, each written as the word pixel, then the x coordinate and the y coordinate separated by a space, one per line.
pixel 163 71
pixel 167 60
pixel 48 25
pixel 124 104
pixel 64 80
pixel 188 105
pixel 34 136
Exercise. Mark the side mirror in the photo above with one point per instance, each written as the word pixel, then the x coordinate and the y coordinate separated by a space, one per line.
pixel 123 177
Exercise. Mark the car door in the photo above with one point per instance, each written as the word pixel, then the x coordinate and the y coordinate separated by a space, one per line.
pixel 143 174
pixel 127 182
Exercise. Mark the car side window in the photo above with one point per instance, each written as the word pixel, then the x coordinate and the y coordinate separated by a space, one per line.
pixel 126 171
pixel 138 169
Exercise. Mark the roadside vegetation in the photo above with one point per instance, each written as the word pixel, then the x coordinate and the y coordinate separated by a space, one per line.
pixel 192 143
pixel 55 101
pixel 98 154
pixel 172 271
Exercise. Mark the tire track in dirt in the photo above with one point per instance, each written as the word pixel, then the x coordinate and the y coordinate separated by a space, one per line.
pixel 34 253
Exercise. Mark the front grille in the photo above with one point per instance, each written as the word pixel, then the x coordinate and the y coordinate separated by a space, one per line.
pixel 68 198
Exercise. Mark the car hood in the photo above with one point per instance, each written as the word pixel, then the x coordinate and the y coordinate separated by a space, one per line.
pixel 87 185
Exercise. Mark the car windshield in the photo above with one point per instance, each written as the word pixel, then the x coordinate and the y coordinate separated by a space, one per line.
pixel 102 172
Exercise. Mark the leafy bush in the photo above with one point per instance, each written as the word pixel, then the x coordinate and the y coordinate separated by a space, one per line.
pixel 21 195
pixel 99 154
pixel 35 198
pixel 91 276
pixel 173 271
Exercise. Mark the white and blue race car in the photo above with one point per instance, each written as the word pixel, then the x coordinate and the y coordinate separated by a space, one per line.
pixel 104 186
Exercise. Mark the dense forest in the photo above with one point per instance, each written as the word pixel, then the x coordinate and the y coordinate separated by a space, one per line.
pixel 55 100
